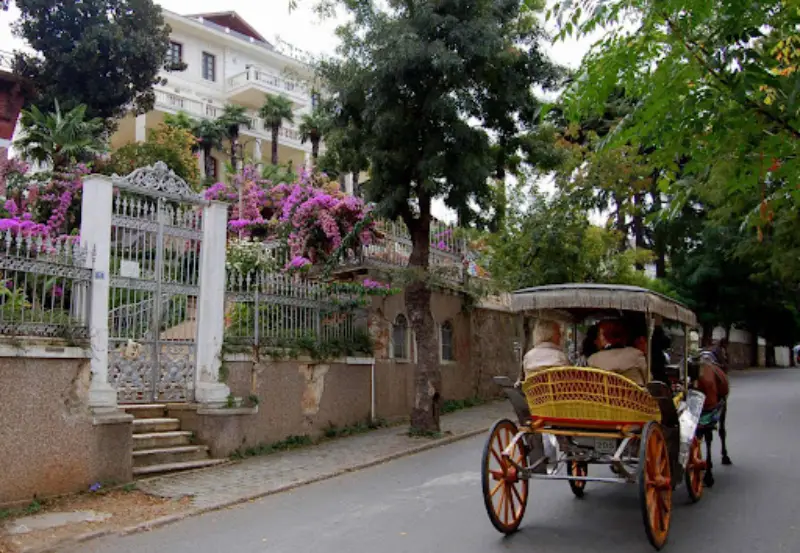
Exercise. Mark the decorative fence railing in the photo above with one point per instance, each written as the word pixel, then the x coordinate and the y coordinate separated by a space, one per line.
pixel 447 252
pixel 275 310
pixel 44 287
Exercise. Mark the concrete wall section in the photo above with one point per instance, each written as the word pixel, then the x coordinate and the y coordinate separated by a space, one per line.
pixel 51 443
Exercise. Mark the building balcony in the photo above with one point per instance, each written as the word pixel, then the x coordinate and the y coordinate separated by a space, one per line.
pixel 171 102
pixel 249 87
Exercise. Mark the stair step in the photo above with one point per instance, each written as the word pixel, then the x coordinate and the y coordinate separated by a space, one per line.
pixel 145 426
pixel 146 410
pixel 172 467
pixel 160 440
pixel 168 455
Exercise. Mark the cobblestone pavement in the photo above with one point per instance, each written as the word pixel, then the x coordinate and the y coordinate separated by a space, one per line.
pixel 260 476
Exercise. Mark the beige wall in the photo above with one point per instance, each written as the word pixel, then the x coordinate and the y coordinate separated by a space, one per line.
pixel 294 399
pixel 297 398
pixel 50 444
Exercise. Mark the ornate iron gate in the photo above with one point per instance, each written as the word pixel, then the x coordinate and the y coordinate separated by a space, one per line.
pixel 156 236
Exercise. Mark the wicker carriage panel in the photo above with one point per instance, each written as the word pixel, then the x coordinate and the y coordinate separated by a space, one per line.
pixel 588 394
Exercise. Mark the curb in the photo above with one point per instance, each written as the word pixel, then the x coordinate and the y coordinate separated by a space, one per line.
pixel 171 519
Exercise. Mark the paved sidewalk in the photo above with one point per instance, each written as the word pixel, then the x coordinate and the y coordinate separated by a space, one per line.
pixel 258 476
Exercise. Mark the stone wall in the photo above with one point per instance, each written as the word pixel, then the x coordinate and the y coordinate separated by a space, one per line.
pixel 302 398
pixel 51 443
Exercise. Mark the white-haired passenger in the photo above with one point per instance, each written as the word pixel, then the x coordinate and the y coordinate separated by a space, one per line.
pixel 547 349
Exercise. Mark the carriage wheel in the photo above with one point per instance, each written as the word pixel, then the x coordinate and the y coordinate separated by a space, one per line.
pixel 577 468
pixel 655 486
pixel 505 494
pixel 695 470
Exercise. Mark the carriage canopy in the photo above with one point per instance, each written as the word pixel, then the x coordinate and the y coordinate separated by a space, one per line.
pixel 582 299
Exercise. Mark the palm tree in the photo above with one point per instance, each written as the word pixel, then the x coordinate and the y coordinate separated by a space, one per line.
pixel 312 128
pixel 60 139
pixel 210 134
pixel 275 111
pixel 233 118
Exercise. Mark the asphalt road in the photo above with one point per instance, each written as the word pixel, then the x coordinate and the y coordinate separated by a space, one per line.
pixel 432 502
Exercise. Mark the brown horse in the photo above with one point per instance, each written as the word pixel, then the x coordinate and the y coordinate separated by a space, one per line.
pixel 713 382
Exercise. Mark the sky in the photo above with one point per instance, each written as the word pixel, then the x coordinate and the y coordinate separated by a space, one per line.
pixel 301 28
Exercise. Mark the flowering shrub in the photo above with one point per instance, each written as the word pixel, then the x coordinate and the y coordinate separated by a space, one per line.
pixel 246 255
pixel 312 215
pixel 33 208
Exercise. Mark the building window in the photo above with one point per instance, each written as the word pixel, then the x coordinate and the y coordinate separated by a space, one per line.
pixel 400 342
pixel 175 55
pixel 446 350
pixel 209 67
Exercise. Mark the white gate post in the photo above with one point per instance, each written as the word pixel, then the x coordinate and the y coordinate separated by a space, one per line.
pixel 96 205
pixel 211 308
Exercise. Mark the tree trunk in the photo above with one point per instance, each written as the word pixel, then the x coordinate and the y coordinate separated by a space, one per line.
pixel 659 245
pixel 275 130
pixel 208 166
pixel 620 224
pixel 769 355
pixel 315 152
pixel 427 377
pixel 708 335
pixel 234 139
pixel 356 185
pixel 638 226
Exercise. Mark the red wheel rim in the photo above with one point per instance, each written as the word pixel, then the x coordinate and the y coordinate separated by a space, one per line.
pixel 507 493
pixel 658 485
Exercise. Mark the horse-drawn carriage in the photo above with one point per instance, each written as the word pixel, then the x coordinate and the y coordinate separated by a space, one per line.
pixel 646 435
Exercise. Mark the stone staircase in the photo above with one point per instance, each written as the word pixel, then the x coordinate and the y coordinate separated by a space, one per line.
pixel 160 446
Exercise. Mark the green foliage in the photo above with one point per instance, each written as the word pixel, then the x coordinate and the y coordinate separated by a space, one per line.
pixel 279 173
pixel 453 405
pixel 287 444
pixel 171 144
pixel 61 139
pixel 105 54
pixel 715 94
pixel 427 66
pixel 31 509
pixel 553 242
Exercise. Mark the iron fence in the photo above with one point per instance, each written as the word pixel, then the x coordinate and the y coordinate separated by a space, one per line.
pixel 276 310
pixel 44 287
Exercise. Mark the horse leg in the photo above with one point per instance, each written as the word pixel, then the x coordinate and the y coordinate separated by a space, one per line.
pixel 723 433
pixel 708 479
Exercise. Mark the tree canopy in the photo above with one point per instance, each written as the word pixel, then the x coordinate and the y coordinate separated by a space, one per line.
pixel 105 54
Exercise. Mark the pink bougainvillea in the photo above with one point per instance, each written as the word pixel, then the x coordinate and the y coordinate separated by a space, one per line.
pixel 34 208
pixel 313 217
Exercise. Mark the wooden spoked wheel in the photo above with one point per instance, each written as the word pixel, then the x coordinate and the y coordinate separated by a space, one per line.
pixel 655 484
pixel 577 468
pixel 505 494
pixel 695 470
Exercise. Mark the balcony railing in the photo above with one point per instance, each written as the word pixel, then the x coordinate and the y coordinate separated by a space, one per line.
pixel 170 101
pixel 280 85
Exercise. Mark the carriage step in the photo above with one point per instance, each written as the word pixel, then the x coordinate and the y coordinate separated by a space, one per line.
pixel 169 455
pixel 145 426
pixel 147 411
pixel 161 440
pixel 173 467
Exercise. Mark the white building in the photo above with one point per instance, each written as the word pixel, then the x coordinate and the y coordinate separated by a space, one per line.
pixel 229 62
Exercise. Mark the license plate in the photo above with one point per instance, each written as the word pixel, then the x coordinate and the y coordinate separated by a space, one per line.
pixel 600 445
pixel 604 446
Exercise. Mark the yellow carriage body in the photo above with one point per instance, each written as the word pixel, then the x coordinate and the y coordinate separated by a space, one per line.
pixel 577 396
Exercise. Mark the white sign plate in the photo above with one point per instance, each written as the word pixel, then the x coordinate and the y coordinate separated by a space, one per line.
pixel 129 269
